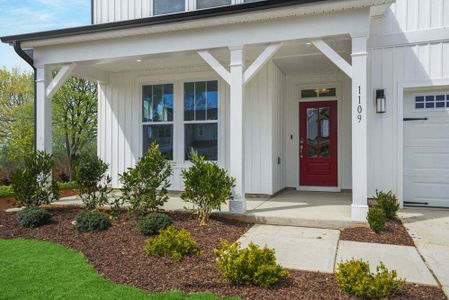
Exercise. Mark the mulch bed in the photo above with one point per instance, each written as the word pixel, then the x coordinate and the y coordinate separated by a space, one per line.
pixel 10 202
pixel 394 233
pixel 118 254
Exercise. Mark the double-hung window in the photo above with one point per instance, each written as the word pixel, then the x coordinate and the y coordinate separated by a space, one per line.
pixel 162 7
pixel 157 113
pixel 201 119
pixel 200 4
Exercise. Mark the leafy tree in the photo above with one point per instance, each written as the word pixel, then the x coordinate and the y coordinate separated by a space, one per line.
pixel 75 120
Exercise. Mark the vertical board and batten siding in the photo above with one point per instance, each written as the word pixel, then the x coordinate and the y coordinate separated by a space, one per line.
pixel 389 66
pixel 120 132
pixel 119 10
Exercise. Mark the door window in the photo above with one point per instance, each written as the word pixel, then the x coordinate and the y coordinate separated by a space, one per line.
pixel 318 132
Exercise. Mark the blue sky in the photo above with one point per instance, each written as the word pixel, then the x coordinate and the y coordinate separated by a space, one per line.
pixel 25 16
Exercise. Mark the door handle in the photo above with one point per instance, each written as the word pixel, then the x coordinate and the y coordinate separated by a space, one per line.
pixel 301 147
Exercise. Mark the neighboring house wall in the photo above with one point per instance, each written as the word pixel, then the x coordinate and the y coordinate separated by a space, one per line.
pixel 120 127
pixel 400 50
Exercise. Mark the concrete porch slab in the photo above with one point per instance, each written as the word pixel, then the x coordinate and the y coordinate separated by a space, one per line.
pixel 297 248
pixel 405 260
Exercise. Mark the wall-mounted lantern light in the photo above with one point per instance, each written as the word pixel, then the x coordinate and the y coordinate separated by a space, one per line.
pixel 381 105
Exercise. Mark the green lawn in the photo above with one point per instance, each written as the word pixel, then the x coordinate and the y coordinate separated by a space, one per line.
pixel 41 270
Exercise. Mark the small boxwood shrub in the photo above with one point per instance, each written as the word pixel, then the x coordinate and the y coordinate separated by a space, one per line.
pixel 376 219
pixel 91 221
pixel 388 202
pixel 153 223
pixel 172 243
pixel 354 278
pixel 33 217
pixel 207 186
pixel 248 266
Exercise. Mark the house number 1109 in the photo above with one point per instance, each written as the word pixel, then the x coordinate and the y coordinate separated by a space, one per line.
pixel 359 106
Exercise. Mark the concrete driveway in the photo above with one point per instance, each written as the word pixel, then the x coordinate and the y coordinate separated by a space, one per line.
pixel 430 231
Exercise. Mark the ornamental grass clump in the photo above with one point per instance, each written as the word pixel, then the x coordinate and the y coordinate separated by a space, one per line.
pixel 145 187
pixel 94 184
pixel 388 202
pixel 173 243
pixel 355 278
pixel 248 266
pixel 207 187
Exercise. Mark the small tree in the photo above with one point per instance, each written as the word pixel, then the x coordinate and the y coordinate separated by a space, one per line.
pixel 32 182
pixel 94 184
pixel 145 187
pixel 207 186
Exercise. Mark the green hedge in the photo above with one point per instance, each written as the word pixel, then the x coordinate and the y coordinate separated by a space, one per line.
pixel 6 191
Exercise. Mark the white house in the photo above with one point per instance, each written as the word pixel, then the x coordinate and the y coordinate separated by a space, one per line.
pixel 336 95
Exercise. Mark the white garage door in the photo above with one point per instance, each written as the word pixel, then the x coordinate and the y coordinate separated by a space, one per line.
pixel 426 148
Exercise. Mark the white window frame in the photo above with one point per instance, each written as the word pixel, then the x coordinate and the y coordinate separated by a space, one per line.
pixel 203 121
pixel 142 123
pixel 186 6
pixel 190 5
pixel 434 94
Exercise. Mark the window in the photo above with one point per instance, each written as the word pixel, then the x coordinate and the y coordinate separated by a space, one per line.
pixel 161 7
pixel 157 116
pixel 201 119
pixel 436 101
pixel 318 93
pixel 200 4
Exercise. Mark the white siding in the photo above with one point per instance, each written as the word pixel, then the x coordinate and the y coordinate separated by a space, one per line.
pixel 120 141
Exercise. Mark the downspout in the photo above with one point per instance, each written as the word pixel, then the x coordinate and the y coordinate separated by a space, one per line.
pixel 18 48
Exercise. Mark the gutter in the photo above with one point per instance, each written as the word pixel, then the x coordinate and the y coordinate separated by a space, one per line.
pixel 18 48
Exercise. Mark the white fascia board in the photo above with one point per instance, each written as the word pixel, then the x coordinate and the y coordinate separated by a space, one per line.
pixel 273 31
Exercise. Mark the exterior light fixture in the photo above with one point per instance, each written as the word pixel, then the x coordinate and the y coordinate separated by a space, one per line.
pixel 381 105
pixel 139 60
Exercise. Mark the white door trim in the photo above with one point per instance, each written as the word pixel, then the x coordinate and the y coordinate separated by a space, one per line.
pixel 402 87
pixel 337 85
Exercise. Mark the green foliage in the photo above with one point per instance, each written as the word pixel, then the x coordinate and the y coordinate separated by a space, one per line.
pixel 75 120
pixel 354 278
pixel 6 191
pixel 207 186
pixel 67 185
pixel 94 184
pixel 32 184
pixel 145 186
pixel 33 217
pixel 173 243
pixel 249 266
pixel 92 221
pixel 376 219
pixel 153 223
pixel 388 202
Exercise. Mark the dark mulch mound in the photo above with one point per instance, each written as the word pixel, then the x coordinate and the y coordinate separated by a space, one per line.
pixel 118 254
pixel 393 234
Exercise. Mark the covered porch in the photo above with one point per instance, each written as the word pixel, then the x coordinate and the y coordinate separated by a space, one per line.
pixel 234 53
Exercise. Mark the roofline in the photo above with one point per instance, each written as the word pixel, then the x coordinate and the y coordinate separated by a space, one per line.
pixel 155 20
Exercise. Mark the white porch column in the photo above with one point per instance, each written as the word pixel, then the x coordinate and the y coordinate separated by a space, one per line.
pixel 43 111
pixel 237 150
pixel 359 128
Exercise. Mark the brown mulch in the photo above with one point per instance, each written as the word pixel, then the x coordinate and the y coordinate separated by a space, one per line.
pixel 10 202
pixel 394 233
pixel 118 254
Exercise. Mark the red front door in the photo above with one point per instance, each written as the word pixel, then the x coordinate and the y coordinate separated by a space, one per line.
pixel 318 144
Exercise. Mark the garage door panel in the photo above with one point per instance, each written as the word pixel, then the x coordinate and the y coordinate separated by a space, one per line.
pixel 426 155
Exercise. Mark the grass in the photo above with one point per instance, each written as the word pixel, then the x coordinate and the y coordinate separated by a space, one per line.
pixel 43 270
pixel 6 191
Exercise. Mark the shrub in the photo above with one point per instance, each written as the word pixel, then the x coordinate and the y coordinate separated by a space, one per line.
pixel 33 217
pixel 388 202
pixel 91 221
pixel 248 266
pixel 376 219
pixel 145 186
pixel 32 184
pixel 153 223
pixel 207 186
pixel 354 278
pixel 173 243
pixel 93 183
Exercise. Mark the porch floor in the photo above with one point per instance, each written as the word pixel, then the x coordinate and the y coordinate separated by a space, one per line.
pixel 289 208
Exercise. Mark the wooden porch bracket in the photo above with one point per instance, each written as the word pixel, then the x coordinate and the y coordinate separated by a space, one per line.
pixel 260 61
pixel 216 65
pixel 333 56
pixel 60 78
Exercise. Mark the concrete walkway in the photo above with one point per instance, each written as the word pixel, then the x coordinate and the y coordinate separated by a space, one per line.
pixel 430 231
pixel 320 250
